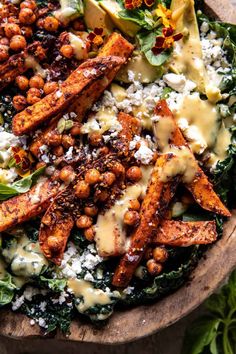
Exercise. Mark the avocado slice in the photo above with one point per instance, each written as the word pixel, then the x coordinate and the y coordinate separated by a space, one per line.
pixel 113 8
pixel 69 10
pixel 95 16
pixel 142 69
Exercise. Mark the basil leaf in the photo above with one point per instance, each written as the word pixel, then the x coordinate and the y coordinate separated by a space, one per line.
pixel 20 186
pixel 213 346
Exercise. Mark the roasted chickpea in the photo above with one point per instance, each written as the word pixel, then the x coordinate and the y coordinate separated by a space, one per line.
pixel 27 16
pixel 54 139
pixel 91 210
pixel 12 19
pixel 40 52
pixel 58 151
pixel 134 204
pixel 36 81
pixel 92 176
pixel 82 190
pixel 84 221
pixel 67 51
pixel 160 254
pixel 33 96
pixel 40 23
pixel 95 139
pixel 101 196
pixel 104 150
pixel 49 87
pixel 18 43
pixel 67 141
pixel 89 234
pixel 153 267
pixel 51 24
pixel 4 55
pixel 19 102
pixel 76 129
pixel 67 174
pixel 27 31
pixel 40 165
pixel 22 82
pixel 134 174
pixel 131 217
pixel 118 169
pixel 29 4
pixel 54 243
pixel 108 178
pixel 4 41
pixel 12 29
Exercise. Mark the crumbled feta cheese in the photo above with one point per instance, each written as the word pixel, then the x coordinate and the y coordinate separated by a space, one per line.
pixel 179 83
pixel 19 300
pixel 69 153
pixel 58 94
pixel 144 154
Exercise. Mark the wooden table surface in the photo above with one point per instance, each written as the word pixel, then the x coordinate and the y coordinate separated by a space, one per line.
pixel 168 341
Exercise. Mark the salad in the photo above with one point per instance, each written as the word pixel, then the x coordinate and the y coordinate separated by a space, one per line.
pixel 117 152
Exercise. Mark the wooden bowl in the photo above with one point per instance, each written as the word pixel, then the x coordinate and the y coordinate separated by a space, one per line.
pixel 142 321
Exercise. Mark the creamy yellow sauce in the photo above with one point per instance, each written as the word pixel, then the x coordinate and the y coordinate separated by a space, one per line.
pixel 111 238
pixel 90 295
pixel 163 130
pixel 101 122
pixel 78 46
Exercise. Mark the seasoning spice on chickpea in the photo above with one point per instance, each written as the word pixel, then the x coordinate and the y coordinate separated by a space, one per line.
pixel 89 234
pixel 40 23
pixel 84 221
pixel 19 102
pixel 58 151
pixel 153 267
pixel 108 178
pixel 27 16
pixel 51 24
pixel 134 173
pixel 160 254
pixel 55 243
pixel 36 81
pixel 27 31
pixel 18 43
pixel 91 210
pixel 101 195
pixel 82 190
pixel 118 169
pixel 54 139
pixel 76 129
pixel 67 174
pixel 67 141
pixel 67 51
pixel 131 217
pixel 49 87
pixel 12 29
pixel 95 139
pixel 134 204
pixel 22 82
pixel 92 176
pixel 29 4
pixel 4 55
pixel 33 95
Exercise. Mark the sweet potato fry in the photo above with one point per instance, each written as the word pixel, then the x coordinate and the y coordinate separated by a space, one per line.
pixel 154 206
pixel 200 187
pixel 86 74
pixel 28 205
pixel 115 45
pixel 184 234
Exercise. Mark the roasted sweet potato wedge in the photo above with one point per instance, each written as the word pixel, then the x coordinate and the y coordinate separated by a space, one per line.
pixel 28 205
pixel 154 206
pixel 55 102
pixel 115 45
pixel 200 187
pixel 184 234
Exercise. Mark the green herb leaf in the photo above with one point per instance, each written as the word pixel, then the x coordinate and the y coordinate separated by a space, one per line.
pixel 56 285
pixel 143 18
pixel 217 304
pixel 7 290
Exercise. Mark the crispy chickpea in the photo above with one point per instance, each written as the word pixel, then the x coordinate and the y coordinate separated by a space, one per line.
pixel 51 24
pixel 148 253
pixel 131 217
pixel 40 23
pixel 12 29
pixel 27 31
pixel 40 165
pixel 40 52
pixel 22 82
pixel 82 190
pixel 153 267
pixel 67 51
pixel 101 196
pixel 27 16
pixel 33 96
pixel 36 81
pixel 160 254
pixel 92 176
pixel 95 139
pixel 108 178
pixel 89 234
pixel 67 141
pixel 134 174
pixel 4 55
pixel 76 129
pixel 67 174
pixel 4 41
pixel 118 169
pixel 49 87
pixel 29 4
pixel 134 204
pixel 12 19
pixel 84 221
pixel 19 102
pixel 18 43
pixel 54 243
pixel 91 210
pixel 104 150
pixel 58 151
pixel 54 139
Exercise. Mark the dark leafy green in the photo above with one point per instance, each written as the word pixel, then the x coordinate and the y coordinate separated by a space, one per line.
pixel 56 285
pixel 7 289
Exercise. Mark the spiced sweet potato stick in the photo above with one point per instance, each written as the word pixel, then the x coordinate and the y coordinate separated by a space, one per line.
pixel 81 78
pixel 185 233
pixel 116 45
pixel 154 206
pixel 200 187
